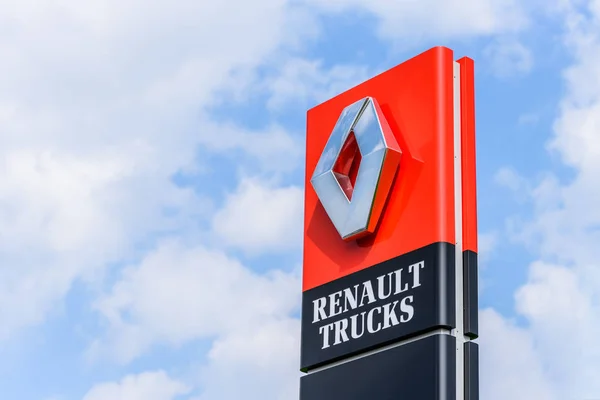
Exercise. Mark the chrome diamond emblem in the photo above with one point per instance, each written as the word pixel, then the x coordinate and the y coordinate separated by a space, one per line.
pixel 355 172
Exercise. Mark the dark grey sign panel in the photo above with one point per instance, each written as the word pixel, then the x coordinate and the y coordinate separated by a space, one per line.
pixel 391 301
pixel 471 371
pixel 470 295
pixel 419 370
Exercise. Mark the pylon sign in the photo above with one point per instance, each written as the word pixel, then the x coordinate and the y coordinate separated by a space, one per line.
pixel 389 302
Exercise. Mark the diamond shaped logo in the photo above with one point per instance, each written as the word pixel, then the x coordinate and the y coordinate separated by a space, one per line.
pixel 356 170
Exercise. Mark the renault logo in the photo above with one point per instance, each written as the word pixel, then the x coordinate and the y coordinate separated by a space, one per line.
pixel 354 175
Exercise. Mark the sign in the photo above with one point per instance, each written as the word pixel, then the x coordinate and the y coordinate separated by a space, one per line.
pixel 390 237
pixel 395 299
pixel 402 372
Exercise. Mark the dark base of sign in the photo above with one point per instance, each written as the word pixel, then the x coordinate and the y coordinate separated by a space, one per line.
pixel 432 302
pixel 470 294
pixel 471 371
pixel 420 370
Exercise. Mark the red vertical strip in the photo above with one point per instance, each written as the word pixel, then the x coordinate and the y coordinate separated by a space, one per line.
pixel 469 177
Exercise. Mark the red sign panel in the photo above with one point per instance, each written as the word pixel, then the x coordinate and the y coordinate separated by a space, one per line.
pixel 416 98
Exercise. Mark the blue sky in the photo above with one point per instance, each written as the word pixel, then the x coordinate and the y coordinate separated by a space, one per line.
pixel 151 188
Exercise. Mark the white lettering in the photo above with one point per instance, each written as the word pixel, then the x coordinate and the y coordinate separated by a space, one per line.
pixel 373 319
pixel 319 309
pixel 399 287
pixel 406 307
pixel 350 299
pixel 415 270
pixel 354 324
pixel 367 293
pixel 324 330
pixel 370 327
pixel 340 331
pixel 381 286
pixel 334 304
pixel 389 315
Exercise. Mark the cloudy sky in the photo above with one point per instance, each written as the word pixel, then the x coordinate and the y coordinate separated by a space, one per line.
pixel 151 187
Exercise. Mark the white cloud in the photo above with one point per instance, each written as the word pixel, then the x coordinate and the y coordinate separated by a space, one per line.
pixel 561 306
pixel 292 83
pixel 64 216
pixel 566 213
pixel 179 294
pixel 528 119
pixel 487 241
pixel 508 57
pixel 263 362
pixel 509 362
pixel 261 217
pixel 182 294
pixel 559 302
pixel 309 82
pixel 411 21
pixel 511 179
pixel 101 102
pixel 554 354
pixel 145 386
pixel 273 147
